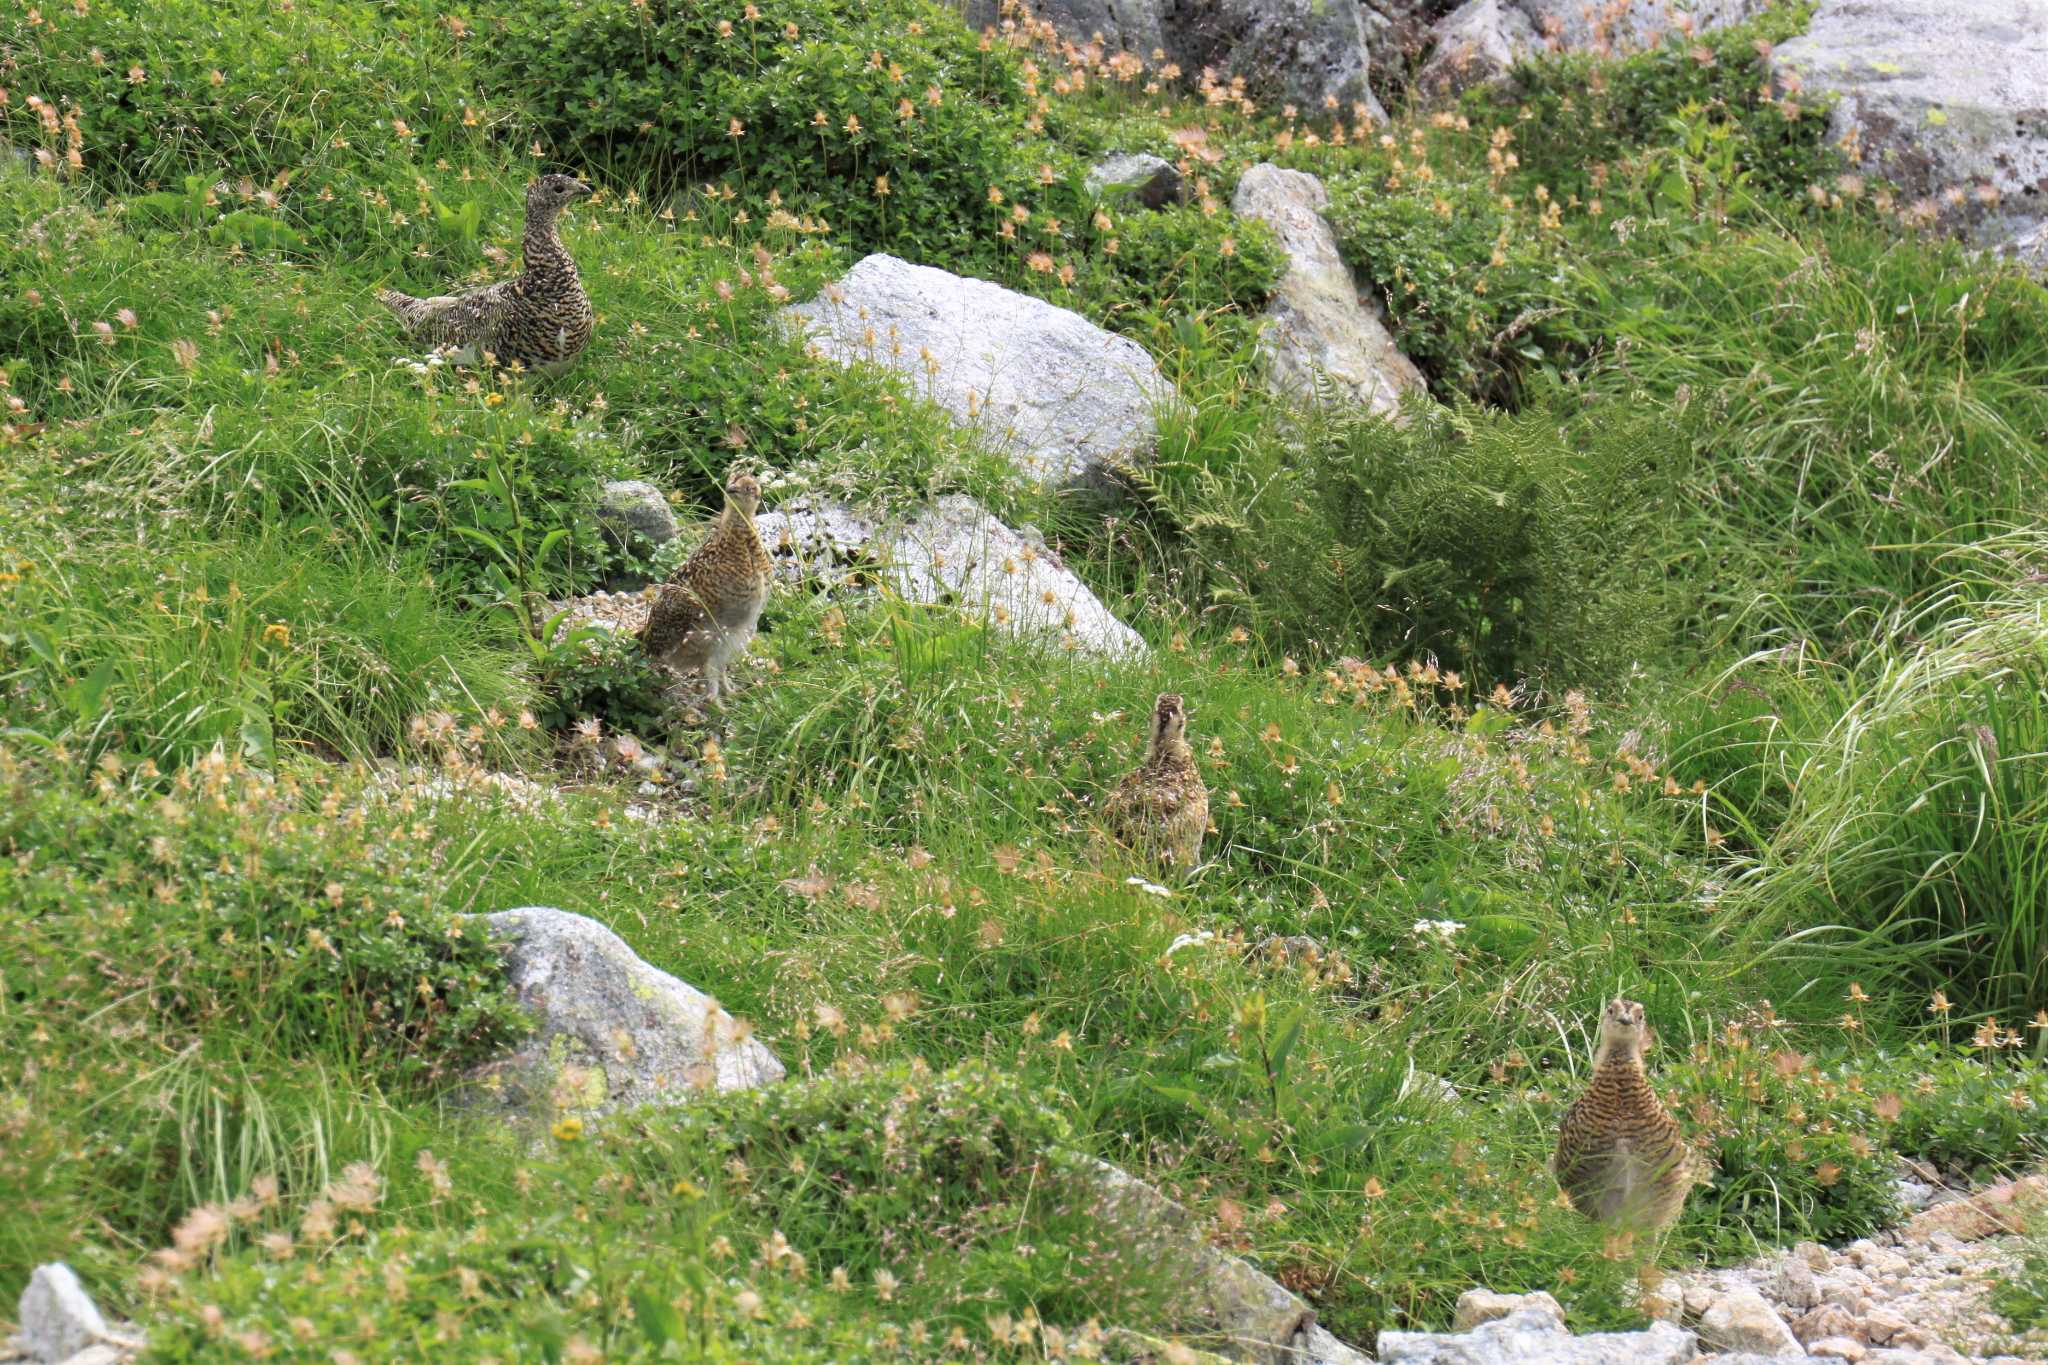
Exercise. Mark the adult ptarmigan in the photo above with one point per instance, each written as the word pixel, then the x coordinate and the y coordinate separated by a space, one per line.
pixel 1621 1159
pixel 1161 808
pixel 539 320
pixel 708 609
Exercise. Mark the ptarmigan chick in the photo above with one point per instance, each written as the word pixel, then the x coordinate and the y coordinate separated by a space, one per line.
pixel 539 320
pixel 1161 809
pixel 708 609
pixel 1620 1157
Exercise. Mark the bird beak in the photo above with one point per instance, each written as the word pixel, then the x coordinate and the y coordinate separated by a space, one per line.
pixel 583 187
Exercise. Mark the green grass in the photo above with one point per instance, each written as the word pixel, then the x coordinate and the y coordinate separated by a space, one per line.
pixel 1705 668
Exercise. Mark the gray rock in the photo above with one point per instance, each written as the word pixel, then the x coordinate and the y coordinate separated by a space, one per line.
pixel 1479 1306
pixel 612 1032
pixel 1481 40
pixel 634 516
pixel 1533 1336
pixel 1739 1320
pixel 951 552
pixel 1250 1317
pixel 1940 94
pixel 1789 1281
pixel 1064 399
pixel 1299 51
pixel 1313 1345
pixel 1123 25
pixel 1476 43
pixel 1136 178
pixel 1304 52
pixel 58 1318
pixel 1319 329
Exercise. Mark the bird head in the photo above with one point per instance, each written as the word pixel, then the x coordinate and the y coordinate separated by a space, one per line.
pixel 1622 1030
pixel 745 492
pixel 1169 719
pixel 551 192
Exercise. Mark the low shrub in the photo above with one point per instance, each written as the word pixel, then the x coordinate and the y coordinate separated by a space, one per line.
pixel 282 909
pixel 161 89
pixel 1796 1150
pixel 891 121
pixel 1501 547
pixel 1896 807
pixel 1576 115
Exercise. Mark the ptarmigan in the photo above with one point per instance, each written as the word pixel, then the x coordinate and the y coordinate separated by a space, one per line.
pixel 707 610
pixel 1161 809
pixel 539 320
pixel 1620 1157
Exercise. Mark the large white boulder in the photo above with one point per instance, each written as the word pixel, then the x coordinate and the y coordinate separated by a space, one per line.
pixel 1319 328
pixel 1064 399
pixel 950 552
pixel 611 1031
pixel 1940 95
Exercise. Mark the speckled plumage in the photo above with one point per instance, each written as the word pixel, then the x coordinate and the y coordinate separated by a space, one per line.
pixel 1161 809
pixel 1620 1156
pixel 708 609
pixel 539 320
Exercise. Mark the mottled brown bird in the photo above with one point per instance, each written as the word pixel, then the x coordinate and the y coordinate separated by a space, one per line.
pixel 538 320
pixel 708 609
pixel 1161 808
pixel 1620 1157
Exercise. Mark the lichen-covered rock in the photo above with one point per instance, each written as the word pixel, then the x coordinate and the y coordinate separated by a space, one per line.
pixel 611 1031
pixel 1136 178
pixel 951 552
pixel 1536 1336
pixel 1481 40
pixel 1246 1315
pixel 1319 329
pixel 1065 400
pixel 1935 95
pixel 634 515
pixel 58 1316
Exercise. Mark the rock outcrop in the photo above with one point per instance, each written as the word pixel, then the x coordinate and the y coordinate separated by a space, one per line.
pixel 1243 1315
pixel 1319 328
pixel 951 552
pixel 611 1031
pixel 1947 99
pixel 61 1325
pixel 1305 52
pixel 1534 1334
pixel 1064 399
pixel 1482 39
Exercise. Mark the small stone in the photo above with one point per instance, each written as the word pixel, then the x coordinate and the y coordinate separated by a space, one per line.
pixel 1828 1320
pixel 1814 1254
pixel 1838 1348
pixel 1740 1320
pixel 1136 178
pixel 1881 1328
pixel 1790 1282
pixel 58 1318
pixel 1698 1298
pixel 1476 1306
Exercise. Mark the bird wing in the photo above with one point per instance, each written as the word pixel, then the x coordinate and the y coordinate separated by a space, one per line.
pixel 471 319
